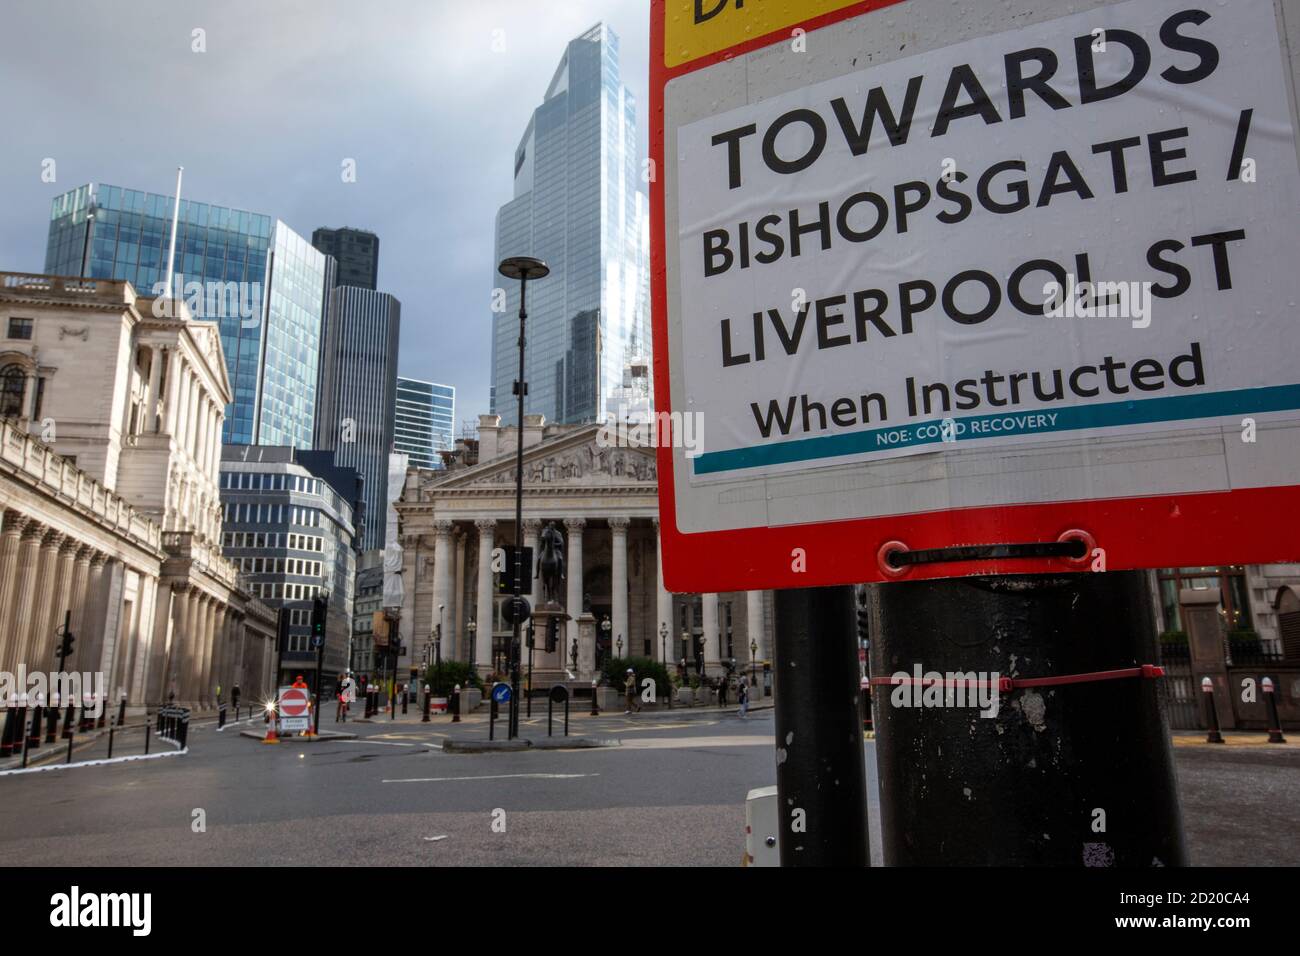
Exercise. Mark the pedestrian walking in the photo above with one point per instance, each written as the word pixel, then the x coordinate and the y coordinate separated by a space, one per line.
pixel 742 692
pixel 722 691
pixel 629 691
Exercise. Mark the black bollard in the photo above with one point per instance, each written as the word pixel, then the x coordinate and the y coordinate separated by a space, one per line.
pixel 20 727
pixel 7 739
pixel 820 768
pixel 34 738
pixel 1074 767
pixel 70 739
pixel 566 715
pixel 550 709
pixel 111 731
pixel 492 719
pixel 405 697
pixel 1274 721
pixel 425 718
pixel 1210 711
pixel 52 720
pixel 221 716
pixel 67 718
pixel 121 711
pixel 455 704
pixel 146 736
pixel 595 709
pixel 103 713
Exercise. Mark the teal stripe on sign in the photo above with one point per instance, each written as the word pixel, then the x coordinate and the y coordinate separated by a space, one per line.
pixel 1273 398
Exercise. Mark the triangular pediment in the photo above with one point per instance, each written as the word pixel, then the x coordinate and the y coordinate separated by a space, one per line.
pixel 580 458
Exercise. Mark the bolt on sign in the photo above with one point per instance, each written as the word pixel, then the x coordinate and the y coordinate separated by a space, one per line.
pixel 965 290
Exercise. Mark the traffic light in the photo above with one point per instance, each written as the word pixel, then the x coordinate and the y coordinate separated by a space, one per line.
pixel 319 610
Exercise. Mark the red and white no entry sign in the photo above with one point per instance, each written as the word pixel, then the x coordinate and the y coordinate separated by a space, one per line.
pixel 294 702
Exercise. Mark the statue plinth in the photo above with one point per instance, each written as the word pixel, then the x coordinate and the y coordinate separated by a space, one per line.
pixel 586 646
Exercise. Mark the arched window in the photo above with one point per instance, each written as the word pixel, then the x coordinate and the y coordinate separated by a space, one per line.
pixel 13 389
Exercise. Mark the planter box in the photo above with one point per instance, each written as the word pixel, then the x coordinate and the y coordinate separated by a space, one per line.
pixel 470 698
pixel 610 698
pixel 685 696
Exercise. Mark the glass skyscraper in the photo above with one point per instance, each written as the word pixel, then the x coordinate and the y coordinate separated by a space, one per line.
pixel 259 279
pixel 424 421
pixel 577 206
pixel 358 385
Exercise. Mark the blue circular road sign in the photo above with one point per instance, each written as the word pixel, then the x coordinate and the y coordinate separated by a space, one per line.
pixel 501 693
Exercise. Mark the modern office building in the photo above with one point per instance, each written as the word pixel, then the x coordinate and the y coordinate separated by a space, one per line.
pixel 288 527
pixel 577 205
pixel 263 283
pixel 424 421
pixel 358 388
pixel 357 253
pixel 369 599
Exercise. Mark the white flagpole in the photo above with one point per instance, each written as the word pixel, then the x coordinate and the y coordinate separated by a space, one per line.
pixel 171 249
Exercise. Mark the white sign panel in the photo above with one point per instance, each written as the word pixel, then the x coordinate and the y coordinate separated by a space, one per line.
pixel 1085 227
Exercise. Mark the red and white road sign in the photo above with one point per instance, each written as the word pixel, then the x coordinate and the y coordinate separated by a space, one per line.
pixel 295 702
pixel 857 211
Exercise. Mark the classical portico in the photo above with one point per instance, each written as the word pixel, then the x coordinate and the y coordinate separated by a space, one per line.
pixel 604 500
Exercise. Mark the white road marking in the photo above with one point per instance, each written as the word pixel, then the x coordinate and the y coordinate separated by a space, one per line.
pixel 496 776
pixel 377 743
pixel 95 763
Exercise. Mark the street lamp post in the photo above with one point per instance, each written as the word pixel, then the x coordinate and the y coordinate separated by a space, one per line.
pixel 620 645
pixel 686 637
pixel 663 642
pixel 605 627
pixel 522 268
pixel 471 629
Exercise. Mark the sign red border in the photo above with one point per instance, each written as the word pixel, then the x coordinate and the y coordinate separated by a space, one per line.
pixel 1224 527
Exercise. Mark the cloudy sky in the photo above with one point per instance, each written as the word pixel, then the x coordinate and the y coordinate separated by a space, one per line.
pixel 419 93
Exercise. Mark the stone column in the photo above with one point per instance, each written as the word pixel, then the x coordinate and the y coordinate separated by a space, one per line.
pixel 40 639
pixel 61 592
pixel 208 656
pixel 173 390
pixel 10 541
pixel 93 628
pixel 754 626
pixel 710 629
pixel 77 602
pixel 24 597
pixel 155 382
pixel 618 530
pixel 663 605
pixel 458 600
pixel 442 580
pixel 573 573
pixel 185 658
pixel 483 616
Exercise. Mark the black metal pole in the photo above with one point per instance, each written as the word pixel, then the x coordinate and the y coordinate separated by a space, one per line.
pixel 520 388
pixel 320 676
pixel 820 771
pixel 1071 774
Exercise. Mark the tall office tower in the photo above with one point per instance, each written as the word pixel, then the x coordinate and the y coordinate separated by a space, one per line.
pixel 357 253
pixel 258 278
pixel 578 207
pixel 358 386
pixel 425 416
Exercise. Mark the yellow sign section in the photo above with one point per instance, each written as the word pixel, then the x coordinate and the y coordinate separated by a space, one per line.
pixel 696 28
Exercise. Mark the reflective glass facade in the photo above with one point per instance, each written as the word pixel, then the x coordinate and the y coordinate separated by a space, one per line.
pixel 269 300
pixel 577 206
pixel 424 421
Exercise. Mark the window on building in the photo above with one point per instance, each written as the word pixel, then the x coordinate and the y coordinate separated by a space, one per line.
pixel 13 388
pixel 20 328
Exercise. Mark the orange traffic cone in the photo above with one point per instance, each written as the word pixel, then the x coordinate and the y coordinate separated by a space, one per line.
pixel 271 736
